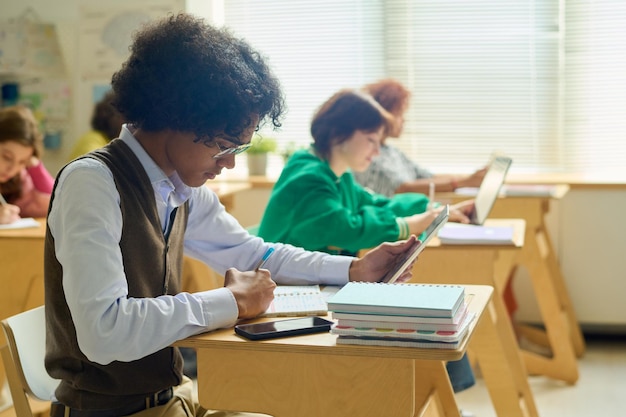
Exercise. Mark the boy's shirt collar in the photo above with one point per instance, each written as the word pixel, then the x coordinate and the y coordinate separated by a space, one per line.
pixel 171 189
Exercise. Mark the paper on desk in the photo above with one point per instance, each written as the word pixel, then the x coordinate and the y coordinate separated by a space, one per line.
pixel 529 190
pixel 24 223
pixel 470 234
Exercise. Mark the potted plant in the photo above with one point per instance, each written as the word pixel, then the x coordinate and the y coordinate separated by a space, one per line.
pixel 257 155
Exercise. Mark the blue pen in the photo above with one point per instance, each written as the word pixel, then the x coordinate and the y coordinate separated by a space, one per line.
pixel 265 257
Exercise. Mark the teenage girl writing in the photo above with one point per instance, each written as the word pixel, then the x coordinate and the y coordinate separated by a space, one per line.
pixel 25 184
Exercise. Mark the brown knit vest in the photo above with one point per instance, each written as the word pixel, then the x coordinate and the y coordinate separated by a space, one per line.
pixel 152 266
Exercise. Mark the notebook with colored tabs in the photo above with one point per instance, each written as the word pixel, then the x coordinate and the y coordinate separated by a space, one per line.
pixel 404 332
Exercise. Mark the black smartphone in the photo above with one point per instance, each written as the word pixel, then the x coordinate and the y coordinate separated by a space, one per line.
pixel 282 328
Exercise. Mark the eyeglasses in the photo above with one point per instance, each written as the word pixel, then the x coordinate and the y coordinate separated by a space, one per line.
pixel 223 150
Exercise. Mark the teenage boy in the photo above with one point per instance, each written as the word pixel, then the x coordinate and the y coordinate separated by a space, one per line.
pixel 122 216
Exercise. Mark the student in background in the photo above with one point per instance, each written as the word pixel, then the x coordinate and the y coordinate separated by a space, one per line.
pixel 122 216
pixel 316 204
pixel 392 171
pixel 25 183
pixel 106 123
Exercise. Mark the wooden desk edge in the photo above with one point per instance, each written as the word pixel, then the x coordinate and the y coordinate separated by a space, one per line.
pixel 559 191
pixel 325 344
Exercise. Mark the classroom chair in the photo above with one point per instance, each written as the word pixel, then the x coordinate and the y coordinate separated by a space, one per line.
pixel 31 387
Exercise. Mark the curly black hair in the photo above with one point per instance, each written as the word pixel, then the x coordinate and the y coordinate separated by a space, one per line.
pixel 188 76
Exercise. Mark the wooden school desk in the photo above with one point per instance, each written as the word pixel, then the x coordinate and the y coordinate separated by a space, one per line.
pixel 477 264
pixel 21 275
pixel 312 376
pixel 562 332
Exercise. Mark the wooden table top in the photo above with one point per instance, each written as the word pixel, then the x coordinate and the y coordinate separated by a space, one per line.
pixel 478 296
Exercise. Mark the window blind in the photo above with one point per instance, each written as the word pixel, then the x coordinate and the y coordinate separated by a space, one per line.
pixel 539 80
pixel 315 48
pixel 483 76
pixel 595 85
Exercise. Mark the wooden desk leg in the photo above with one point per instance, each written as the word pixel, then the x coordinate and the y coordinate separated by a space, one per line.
pixel 561 289
pixel 433 390
pixel 500 363
pixel 493 344
pixel 562 365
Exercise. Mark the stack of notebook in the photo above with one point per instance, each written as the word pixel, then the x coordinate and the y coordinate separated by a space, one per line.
pixel 405 315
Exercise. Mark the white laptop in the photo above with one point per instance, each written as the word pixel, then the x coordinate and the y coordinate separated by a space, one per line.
pixel 490 189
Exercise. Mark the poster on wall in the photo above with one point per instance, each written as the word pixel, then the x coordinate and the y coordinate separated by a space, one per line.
pixel 30 49
pixel 105 34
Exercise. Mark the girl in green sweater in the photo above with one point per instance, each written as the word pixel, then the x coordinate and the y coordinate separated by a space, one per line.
pixel 316 203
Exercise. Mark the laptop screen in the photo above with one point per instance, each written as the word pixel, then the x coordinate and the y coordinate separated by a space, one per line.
pixel 490 188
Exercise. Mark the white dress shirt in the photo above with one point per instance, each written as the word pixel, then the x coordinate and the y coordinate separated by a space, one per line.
pixel 86 222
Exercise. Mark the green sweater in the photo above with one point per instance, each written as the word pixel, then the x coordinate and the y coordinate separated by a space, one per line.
pixel 312 208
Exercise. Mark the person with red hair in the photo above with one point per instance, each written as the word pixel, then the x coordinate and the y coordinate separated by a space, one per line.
pixel 392 172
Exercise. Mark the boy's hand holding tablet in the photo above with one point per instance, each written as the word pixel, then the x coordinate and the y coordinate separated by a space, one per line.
pixel 407 261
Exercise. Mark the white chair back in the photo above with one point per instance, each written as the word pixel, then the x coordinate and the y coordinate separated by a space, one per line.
pixel 26 343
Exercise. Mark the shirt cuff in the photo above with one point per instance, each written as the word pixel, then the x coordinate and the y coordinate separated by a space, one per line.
pixel 219 308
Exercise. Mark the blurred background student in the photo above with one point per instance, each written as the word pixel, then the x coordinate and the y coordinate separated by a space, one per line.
pixel 392 171
pixel 106 123
pixel 25 184
pixel 317 205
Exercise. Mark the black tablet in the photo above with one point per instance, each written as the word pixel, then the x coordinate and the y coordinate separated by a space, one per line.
pixel 418 247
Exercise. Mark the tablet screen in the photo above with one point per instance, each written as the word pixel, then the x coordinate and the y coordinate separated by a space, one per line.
pixel 419 246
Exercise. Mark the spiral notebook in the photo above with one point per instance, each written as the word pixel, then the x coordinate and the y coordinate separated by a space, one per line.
pixel 374 341
pixel 297 300
pixel 405 322
pixel 416 300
